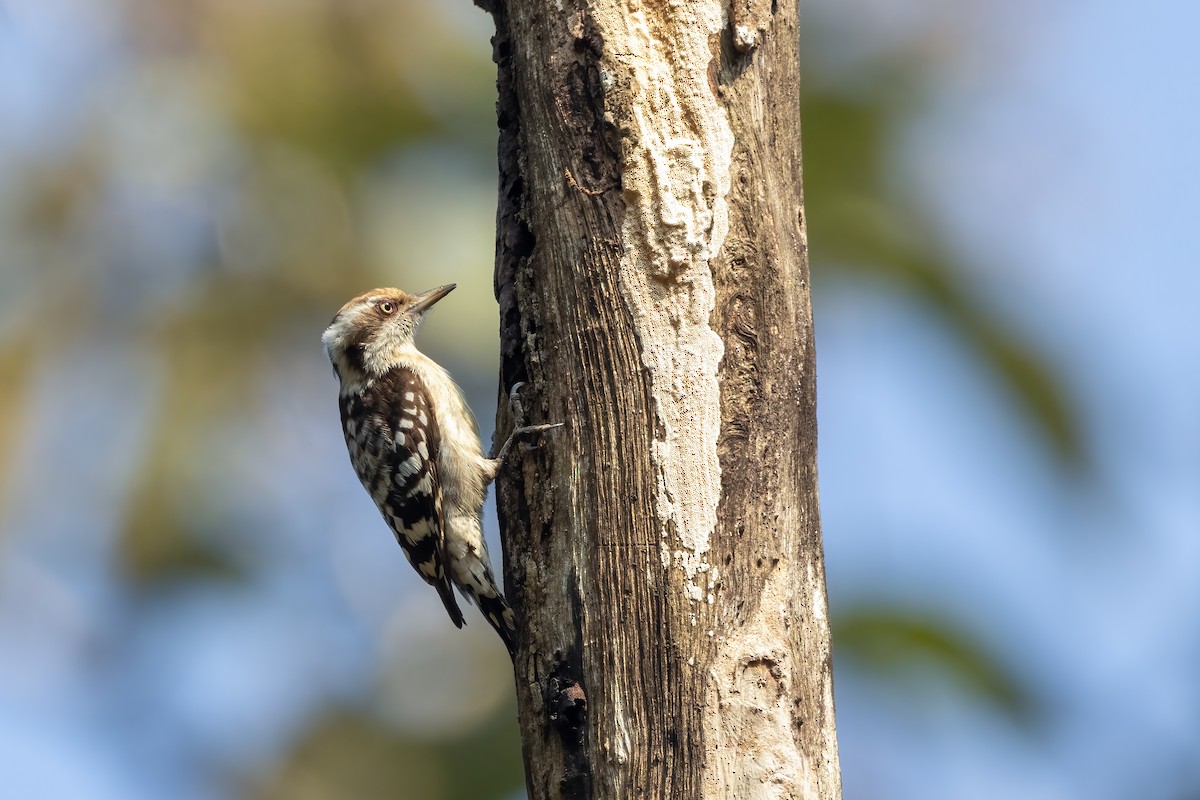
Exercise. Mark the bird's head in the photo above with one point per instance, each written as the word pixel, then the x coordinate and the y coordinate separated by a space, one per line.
pixel 374 330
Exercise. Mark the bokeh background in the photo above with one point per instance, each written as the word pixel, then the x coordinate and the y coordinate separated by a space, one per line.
pixel 198 601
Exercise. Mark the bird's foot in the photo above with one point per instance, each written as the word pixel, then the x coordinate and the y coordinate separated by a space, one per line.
pixel 522 430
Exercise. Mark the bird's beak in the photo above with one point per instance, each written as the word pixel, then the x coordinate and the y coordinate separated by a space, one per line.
pixel 426 299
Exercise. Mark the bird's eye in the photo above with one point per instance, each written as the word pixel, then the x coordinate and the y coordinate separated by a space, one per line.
pixel 386 307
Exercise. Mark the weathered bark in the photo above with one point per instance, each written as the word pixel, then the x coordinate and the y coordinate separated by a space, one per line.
pixel 663 550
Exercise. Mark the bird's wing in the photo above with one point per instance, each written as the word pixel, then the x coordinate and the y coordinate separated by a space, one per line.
pixel 413 504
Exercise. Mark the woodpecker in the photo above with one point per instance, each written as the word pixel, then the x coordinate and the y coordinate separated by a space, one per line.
pixel 414 444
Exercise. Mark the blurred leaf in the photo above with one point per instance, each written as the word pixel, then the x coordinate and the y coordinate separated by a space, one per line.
pixel 313 75
pixel 858 222
pixel 54 190
pixel 1034 385
pixel 155 548
pixel 849 134
pixel 894 644
pixel 16 362
pixel 495 754
pixel 347 754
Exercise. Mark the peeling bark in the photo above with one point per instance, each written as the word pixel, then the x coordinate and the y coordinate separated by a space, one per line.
pixel 663 551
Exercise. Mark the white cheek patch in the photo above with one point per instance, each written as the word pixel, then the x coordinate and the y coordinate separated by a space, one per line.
pixel 334 337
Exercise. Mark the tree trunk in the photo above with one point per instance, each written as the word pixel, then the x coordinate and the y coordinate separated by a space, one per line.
pixel 663 550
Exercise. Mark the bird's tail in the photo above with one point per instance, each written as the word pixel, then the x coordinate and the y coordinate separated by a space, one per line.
pixel 495 608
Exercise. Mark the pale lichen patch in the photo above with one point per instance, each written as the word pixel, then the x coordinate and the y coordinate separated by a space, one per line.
pixel 676 155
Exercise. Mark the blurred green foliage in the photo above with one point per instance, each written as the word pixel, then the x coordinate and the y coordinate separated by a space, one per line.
pixel 15 358
pixel 864 224
pixel 905 645
pixel 348 753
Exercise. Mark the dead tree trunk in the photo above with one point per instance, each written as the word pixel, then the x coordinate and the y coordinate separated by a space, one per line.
pixel 663 551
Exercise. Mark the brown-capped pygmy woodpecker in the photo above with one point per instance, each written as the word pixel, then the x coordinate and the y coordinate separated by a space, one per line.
pixel 415 446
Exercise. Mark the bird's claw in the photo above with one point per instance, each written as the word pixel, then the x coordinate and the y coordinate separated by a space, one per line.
pixel 514 404
pixel 521 429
